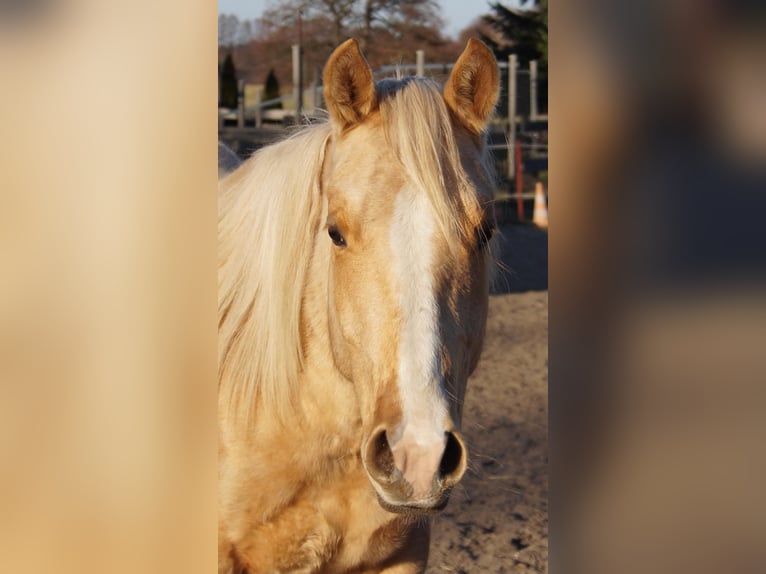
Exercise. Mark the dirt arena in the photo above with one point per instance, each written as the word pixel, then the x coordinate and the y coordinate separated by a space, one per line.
pixel 497 520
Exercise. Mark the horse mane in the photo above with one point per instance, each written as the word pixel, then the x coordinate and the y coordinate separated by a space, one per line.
pixel 267 222
pixel 269 214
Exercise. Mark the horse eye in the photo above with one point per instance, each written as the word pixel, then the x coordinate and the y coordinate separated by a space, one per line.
pixel 484 234
pixel 336 236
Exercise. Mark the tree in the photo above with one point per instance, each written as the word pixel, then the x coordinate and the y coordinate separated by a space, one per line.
pixel 227 83
pixel 245 32
pixel 228 29
pixel 271 90
pixel 385 27
pixel 543 37
pixel 399 16
pixel 233 31
pixel 390 32
pixel 520 32
pixel 342 15
pixel 336 16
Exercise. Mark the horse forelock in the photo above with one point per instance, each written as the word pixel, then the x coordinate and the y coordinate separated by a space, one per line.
pixel 418 127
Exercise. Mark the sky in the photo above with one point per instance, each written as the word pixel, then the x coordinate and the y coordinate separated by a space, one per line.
pixel 457 13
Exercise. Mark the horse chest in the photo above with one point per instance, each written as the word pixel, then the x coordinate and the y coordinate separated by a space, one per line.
pixel 329 528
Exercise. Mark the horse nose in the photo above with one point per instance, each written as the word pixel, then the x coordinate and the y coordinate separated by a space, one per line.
pixel 414 469
pixel 427 465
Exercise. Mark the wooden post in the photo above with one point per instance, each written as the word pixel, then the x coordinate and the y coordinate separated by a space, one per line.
pixel 533 90
pixel 512 65
pixel 241 104
pixel 420 63
pixel 319 93
pixel 317 96
pixel 258 110
pixel 297 83
pixel 313 91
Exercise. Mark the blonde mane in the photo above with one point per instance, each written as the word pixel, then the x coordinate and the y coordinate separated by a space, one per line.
pixel 267 223
pixel 269 214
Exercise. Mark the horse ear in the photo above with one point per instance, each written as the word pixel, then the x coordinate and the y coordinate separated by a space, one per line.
pixel 472 88
pixel 349 89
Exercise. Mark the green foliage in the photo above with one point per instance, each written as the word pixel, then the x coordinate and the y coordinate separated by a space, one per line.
pixel 542 41
pixel 227 84
pixel 271 90
pixel 523 32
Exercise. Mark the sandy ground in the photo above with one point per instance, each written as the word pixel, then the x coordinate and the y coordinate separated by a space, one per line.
pixel 497 520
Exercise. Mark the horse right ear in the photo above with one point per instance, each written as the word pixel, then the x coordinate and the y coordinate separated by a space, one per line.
pixel 472 88
pixel 349 89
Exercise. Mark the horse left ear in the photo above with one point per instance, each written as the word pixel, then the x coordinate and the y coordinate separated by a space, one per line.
pixel 349 89
pixel 472 88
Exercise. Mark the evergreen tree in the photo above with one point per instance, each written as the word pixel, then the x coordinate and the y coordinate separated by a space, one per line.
pixel 271 90
pixel 227 84
pixel 523 32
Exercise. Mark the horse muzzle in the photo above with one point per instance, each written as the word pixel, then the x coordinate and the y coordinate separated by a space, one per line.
pixel 411 476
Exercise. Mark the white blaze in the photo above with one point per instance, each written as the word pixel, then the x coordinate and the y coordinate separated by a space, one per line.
pixel 423 403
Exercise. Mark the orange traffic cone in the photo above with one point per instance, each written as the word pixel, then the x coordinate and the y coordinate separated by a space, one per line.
pixel 540 215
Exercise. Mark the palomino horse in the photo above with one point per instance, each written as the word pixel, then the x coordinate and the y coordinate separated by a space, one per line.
pixel 353 289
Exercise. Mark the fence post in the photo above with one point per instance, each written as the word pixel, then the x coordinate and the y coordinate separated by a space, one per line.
pixel 319 93
pixel 297 87
pixel 420 63
pixel 258 110
pixel 241 104
pixel 512 65
pixel 533 90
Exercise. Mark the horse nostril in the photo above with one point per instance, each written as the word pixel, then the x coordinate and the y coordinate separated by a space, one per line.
pixel 380 460
pixel 453 460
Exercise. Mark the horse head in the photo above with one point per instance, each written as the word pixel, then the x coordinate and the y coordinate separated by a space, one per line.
pixel 409 218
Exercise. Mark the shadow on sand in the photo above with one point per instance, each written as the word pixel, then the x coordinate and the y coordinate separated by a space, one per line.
pixel 521 251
